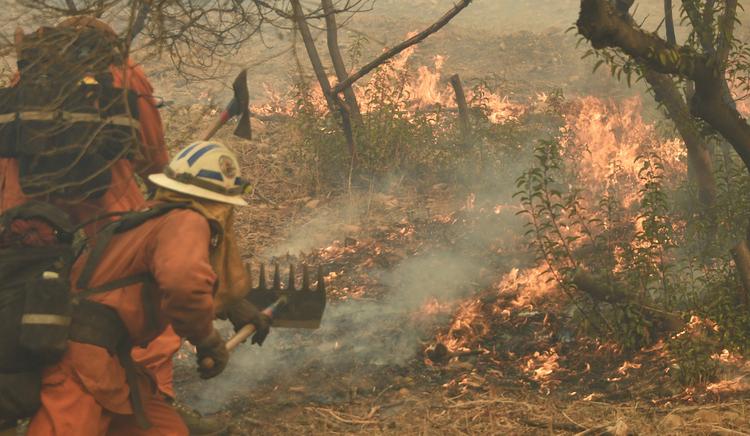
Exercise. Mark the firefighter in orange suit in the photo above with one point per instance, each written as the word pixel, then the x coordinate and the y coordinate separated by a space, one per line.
pixel 123 194
pixel 186 251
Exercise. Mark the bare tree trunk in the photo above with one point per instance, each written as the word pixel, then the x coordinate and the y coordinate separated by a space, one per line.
pixel 99 9
pixel 139 23
pixel 699 158
pixel 334 102
pixel 741 256
pixel 338 61
pixel 602 292
pixel 700 164
pixel 463 110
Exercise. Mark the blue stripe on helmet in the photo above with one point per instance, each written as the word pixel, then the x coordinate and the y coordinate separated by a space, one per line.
pixel 187 150
pixel 197 155
pixel 208 174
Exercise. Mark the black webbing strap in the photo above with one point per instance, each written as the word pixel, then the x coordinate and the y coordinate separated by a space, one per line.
pixel 127 222
pixel 123 349
pixel 97 324
pixel 100 244
pixel 115 284
pixel 100 325
pixel 131 376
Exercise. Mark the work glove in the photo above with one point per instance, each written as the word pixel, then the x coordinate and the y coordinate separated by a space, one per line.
pixel 214 347
pixel 243 313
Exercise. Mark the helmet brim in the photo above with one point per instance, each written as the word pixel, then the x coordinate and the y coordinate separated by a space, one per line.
pixel 163 181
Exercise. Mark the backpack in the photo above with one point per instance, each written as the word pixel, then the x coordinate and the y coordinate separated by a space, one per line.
pixel 38 311
pixel 64 120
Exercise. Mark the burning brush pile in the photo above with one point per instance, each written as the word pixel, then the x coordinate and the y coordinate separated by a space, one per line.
pixel 625 299
pixel 410 124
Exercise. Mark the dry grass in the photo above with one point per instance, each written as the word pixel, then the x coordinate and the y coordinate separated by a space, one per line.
pixel 502 412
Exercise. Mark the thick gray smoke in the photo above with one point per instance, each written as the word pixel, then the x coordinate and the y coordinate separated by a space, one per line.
pixel 358 335
pixel 353 333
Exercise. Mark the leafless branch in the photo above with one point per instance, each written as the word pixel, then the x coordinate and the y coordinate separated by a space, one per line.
pixel 139 23
pixel 335 104
pixel 669 22
pixel 416 39
pixel 338 62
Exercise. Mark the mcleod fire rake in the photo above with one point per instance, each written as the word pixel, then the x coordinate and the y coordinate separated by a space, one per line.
pixel 286 306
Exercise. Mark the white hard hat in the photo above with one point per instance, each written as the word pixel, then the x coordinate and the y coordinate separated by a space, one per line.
pixel 204 169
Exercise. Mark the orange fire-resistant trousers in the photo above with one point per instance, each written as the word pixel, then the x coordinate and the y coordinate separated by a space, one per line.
pixel 87 400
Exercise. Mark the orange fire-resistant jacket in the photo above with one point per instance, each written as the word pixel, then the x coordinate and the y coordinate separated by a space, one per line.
pixel 124 193
pixel 174 248
pixel 87 390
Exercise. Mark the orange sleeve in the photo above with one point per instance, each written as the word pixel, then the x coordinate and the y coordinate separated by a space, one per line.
pixel 180 264
pixel 11 194
pixel 153 156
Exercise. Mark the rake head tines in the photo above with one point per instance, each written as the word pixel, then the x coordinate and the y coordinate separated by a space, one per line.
pixel 304 306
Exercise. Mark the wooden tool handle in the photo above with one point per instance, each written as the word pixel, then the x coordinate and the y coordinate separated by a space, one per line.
pixel 244 333
pixel 215 127
pixel 233 342
pixel 240 337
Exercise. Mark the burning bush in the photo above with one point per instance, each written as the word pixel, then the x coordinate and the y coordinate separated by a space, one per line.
pixel 410 127
pixel 606 209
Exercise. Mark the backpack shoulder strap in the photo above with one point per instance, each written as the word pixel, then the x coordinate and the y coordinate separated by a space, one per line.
pixel 132 220
pixel 114 284
pixel 127 222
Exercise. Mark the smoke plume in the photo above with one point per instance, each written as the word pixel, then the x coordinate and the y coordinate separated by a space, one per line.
pixel 359 336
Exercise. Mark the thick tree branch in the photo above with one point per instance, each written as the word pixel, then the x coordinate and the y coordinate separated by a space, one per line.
pixel 312 52
pixel 709 104
pixel 708 15
pixel 606 27
pixel 334 103
pixel 666 92
pixel 726 33
pixel 601 24
pixel 623 6
pixel 741 256
pixel 603 292
pixel 700 165
pixel 338 62
pixel 702 24
pixel 139 23
pixel 416 39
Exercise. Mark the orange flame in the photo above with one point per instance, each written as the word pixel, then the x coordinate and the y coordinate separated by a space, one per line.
pixel 405 91
pixel 528 285
pixel 543 365
pixel 614 136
